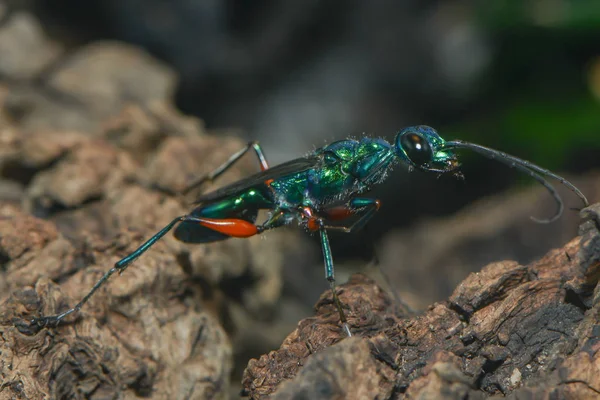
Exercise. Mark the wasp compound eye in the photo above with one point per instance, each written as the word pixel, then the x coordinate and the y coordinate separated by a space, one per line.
pixel 416 148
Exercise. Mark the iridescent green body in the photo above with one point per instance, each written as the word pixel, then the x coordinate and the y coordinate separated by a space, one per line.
pixel 341 171
pixel 346 168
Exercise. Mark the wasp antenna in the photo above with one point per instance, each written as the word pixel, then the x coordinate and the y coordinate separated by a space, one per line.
pixel 553 192
pixel 526 167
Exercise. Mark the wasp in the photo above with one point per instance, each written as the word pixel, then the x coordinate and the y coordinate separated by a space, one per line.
pixel 322 191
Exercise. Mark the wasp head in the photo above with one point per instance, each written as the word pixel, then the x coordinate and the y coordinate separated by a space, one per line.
pixel 421 147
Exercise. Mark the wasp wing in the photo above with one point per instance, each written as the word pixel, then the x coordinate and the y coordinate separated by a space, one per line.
pixel 288 168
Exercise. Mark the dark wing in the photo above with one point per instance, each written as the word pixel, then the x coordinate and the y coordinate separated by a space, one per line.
pixel 278 171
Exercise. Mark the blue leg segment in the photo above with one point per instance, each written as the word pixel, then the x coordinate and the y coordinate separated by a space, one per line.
pixel 124 262
pixel 327 257
pixel 330 276
pixel 362 202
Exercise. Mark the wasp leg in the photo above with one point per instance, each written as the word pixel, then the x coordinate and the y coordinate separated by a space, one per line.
pixel 367 206
pixel 231 227
pixel 264 165
pixel 330 275
pixel 119 266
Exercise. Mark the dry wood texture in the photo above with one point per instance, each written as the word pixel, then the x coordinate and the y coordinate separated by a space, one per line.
pixel 527 331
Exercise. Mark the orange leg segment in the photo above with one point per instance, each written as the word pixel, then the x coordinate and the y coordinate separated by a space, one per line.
pixel 338 213
pixel 229 226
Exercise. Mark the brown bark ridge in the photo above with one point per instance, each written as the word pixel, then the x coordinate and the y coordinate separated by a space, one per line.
pixel 522 331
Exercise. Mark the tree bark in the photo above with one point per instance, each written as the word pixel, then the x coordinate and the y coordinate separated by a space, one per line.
pixel 528 332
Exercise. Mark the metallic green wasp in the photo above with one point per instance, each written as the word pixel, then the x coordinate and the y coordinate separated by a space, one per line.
pixel 322 191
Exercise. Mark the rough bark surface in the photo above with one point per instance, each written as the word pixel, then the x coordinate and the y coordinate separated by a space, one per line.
pixel 527 331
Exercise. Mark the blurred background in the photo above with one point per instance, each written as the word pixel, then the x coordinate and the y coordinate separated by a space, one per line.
pixel 521 76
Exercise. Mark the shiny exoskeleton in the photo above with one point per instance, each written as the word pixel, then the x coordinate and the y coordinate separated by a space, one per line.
pixel 322 192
